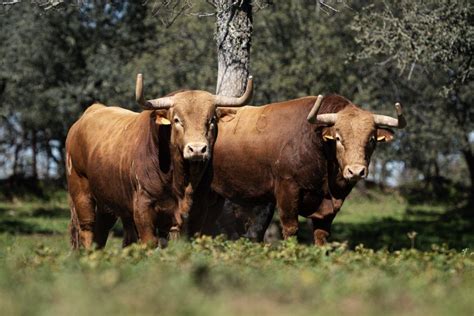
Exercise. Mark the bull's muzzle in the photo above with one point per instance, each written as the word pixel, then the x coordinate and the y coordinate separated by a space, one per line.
pixel 355 172
pixel 197 151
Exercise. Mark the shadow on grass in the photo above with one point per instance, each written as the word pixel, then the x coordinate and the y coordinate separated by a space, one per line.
pixel 18 222
pixel 454 227
pixel 19 227
pixel 53 212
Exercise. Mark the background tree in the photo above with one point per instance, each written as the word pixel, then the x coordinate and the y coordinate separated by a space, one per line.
pixel 56 62
pixel 233 39
pixel 424 49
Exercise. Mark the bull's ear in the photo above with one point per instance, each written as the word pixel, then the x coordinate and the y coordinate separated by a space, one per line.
pixel 161 117
pixel 384 135
pixel 327 134
pixel 226 114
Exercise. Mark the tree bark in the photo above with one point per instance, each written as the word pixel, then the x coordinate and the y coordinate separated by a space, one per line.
pixel 16 159
pixel 233 35
pixel 34 148
pixel 469 156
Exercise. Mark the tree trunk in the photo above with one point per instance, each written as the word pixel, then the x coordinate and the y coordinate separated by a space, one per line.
pixel 16 159
pixel 49 158
pixel 34 148
pixel 233 35
pixel 469 156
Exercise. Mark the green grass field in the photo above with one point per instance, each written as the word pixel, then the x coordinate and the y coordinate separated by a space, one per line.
pixel 39 275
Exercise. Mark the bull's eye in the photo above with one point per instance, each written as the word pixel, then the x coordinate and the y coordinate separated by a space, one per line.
pixel 212 122
pixel 372 140
pixel 176 120
pixel 338 139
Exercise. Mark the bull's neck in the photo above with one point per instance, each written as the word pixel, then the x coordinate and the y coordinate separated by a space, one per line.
pixel 159 166
pixel 324 163
pixel 338 186
pixel 151 158
pixel 186 178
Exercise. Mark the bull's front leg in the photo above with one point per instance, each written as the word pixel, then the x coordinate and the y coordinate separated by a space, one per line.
pixel 144 216
pixel 287 203
pixel 322 220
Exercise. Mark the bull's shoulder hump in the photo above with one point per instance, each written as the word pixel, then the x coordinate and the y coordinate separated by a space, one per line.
pixel 299 101
pixel 94 108
pixel 100 109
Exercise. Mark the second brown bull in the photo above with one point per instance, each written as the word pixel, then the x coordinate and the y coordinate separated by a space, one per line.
pixel 303 155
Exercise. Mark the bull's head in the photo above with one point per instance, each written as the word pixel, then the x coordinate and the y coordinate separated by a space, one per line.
pixel 192 115
pixel 355 133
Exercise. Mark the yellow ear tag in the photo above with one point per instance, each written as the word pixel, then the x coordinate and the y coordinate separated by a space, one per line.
pixel 162 121
pixel 380 138
pixel 328 137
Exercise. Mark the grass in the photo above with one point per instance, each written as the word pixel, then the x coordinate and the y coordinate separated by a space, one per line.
pixel 39 275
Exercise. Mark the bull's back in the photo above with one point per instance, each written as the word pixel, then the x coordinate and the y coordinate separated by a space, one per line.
pixel 99 147
pixel 250 146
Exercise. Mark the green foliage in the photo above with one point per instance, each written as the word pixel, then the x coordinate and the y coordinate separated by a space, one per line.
pixel 215 277
pixel 424 49
pixel 218 277
pixel 57 62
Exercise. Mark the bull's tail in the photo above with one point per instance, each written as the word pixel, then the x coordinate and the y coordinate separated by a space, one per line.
pixel 74 227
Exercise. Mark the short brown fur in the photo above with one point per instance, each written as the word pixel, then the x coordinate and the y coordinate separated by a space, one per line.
pixel 271 154
pixel 126 164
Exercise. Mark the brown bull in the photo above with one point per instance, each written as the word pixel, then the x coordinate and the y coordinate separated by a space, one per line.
pixel 142 167
pixel 304 163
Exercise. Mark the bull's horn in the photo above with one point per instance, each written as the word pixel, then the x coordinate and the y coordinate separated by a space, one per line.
pixel 161 103
pixel 387 121
pixel 326 119
pixel 139 91
pixel 312 114
pixel 221 100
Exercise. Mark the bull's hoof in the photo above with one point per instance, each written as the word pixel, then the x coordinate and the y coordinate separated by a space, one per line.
pixel 320 237
pixel 174 234
pixel 163 243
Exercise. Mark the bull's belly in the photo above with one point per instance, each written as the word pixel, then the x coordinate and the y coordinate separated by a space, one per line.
pixel 244 190
pixel 244 194
pixel 309 202
pixel 113 198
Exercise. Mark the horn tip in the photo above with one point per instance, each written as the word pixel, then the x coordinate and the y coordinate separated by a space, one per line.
pixel 398 107
pixel 250 77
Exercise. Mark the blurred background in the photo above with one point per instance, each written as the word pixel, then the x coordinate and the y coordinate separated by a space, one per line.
pixel 58 57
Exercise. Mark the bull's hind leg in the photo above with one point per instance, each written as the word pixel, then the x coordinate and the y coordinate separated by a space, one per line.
pixel 74 226
pixel 82 211
pixel 129 232
pixel 260 222
pixel 104 222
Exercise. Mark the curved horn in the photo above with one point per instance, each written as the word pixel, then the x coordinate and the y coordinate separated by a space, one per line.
pixel 160 103
pixel 387 121
pixel 327 119
pixel 314 110
pixel 221 100
pixel 139 91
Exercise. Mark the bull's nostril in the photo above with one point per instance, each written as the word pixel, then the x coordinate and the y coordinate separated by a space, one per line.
pixel 362 172
pixel 191 148
pixel 204 149
pixel 350 171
